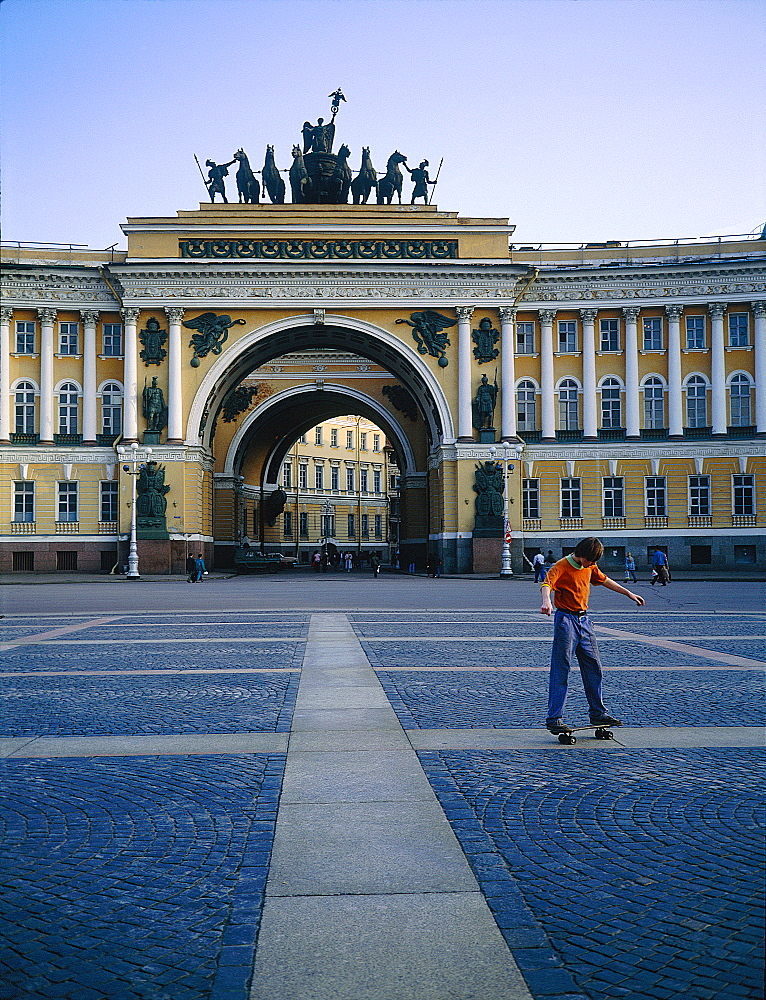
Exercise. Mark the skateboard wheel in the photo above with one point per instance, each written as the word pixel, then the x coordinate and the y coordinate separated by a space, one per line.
pixel 567 738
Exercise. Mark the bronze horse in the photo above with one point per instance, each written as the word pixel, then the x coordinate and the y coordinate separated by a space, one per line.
pixel 365 180
pixel 299 177
pixel 272 178
pixel 392 182
pixel 340 182
pixel 247 183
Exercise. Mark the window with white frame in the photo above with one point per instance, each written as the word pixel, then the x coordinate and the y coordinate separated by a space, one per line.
pixel 611 403
pixel 569 416
pixel 365 525
pixel 303 524
pixel 739 335
pixel 109 509
pixel 530 498
pixel 376 480
pixel 68 338
pixel 699 496
pixel 739 401
pixel 67 502
pixel 654 403
pixel 349 440
pixel 614 496
pixel 287 475
pixel 695 333
pixel 68 408
pixel 333 437
pixel 111 409
pixel 334 477
pixel 111 340
pixel 652 333
pixel 25 408
pixel 363 441
pixel 696 401
pixel 302 439
pixel 328 525
pixel 287 524
pixel 567 336
pixel 25 337
pixel 318 434
pixel 610 334
pixel 655 493
pixel 743 495
pixel 376 442
pixel 526 408
pixel 350 479
pixel 525 338
pixel 378 526
pixel 571 498
pixel 24 502
pixel 351 526
pixel 319 477
pixel 363 476
pixel 303 476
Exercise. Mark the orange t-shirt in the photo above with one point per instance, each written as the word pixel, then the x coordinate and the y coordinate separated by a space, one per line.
pixel 571 584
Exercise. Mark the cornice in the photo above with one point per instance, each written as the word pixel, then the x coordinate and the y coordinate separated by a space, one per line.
pixel 47 286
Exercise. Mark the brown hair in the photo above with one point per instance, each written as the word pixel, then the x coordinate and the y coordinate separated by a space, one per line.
pixel 590 549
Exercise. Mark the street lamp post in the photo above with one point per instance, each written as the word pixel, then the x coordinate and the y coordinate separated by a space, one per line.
pixel 506 569
pixel 132 573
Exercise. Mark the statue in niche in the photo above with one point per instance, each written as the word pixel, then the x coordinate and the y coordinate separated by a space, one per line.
pixel 238 401
pixel 483 406
pixel 401 400
pixel 212 332
pixel 151 504
pixel 153 337
pixel 489 489
pixel 153 407
pixel 485 339
pixel 427 327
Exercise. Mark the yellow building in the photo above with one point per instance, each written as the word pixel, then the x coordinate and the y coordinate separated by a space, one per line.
pixel 631 378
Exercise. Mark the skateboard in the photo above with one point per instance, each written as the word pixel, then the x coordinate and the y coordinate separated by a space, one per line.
pixel 601 733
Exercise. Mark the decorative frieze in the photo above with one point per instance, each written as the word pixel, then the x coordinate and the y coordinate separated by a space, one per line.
pixel 321 249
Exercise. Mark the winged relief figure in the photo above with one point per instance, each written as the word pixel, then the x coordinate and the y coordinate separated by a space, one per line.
pixel 213 331
pixel 427 327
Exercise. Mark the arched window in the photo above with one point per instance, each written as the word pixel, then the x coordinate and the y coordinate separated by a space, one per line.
pixel 68 408
pixel 654 403
pixel 111 409
pixel 25 408
pixel 526 406
pixel 611 406
pixel 696 401
pixel 739 400
pixel 569 417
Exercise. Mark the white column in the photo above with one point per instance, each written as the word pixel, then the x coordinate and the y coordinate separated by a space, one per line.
pixel 47 321
pixel 675 388
pixel 759 340
pixel 590 408
pixel 507 374
pixel 718 367
pixel 175 386
pixel 130 376
pixel 632 418
pixel 89 430
pixel 464 417
pixel 547 386
pixel 6 317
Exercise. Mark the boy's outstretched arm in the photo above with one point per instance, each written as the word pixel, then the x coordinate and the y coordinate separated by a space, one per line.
pixel 545 607
pixel 619 589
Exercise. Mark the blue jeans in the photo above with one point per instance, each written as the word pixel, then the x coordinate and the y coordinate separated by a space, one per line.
pixel 573 636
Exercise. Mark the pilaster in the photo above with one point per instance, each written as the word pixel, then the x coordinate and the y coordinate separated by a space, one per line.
pixel 718 367
pixel 590 407
pixel 759 340
pixel 130 375
pixel 465 423
pixel 632 412
pixel 89 320
pixel 6 318
pixel 175 383
pixel 675 396
pixel 547 385
pixel 47 321
pixel 507 374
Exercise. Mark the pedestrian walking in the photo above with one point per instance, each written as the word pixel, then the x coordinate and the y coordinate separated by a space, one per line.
pixel 349 560
pixel 630 568
pixel 191 569
pixel 538 563
pixel 375 563
pixel 199 565
pixel 660 566
pixel 570 580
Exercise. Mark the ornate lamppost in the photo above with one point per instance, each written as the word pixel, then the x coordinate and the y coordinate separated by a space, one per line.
pixel 132 573
pixel 506 570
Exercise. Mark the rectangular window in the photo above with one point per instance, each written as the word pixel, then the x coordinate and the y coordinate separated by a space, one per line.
pixel 531 498
pixel 328 525
pixel 363 480
pixel 109 502
pixel 68 338
pixel 699 496
pixel 614 492
pixel 25 409
pixel 66 561
pixel 653 333
pixel 111 340
pixel 743 495
pixel 24 502
pixel 350 479
pixel 333 437
pixel 318 435
pixel 319 477
pixel 303 476
pixel 610 334
pixel 392 482
pixel 701 555
pixel 365 525
pixel 349 440
pixel 23 562
pixel 655 489
pixel 287 524
pixel 67 505
pixel 695 333
pixel 376 480
pixel 738 331
pixel 571 505
pixel 363 441
pixel 302 439
pixel 287 475
pixel 376 442
pixel 525 338
pixel 567 336
pixel 351 526
pixel 378 526
pixel 334 478
pixel 654 404
pixel 25 337
pixel 303 521
pixel 111 410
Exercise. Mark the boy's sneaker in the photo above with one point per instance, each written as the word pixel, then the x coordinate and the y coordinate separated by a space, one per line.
pixel 605 720
pixel 557 726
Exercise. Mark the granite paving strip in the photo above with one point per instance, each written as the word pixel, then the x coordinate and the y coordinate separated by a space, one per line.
pixel 680 647
pixel 55 633
pixel 633 738
pixel 187 744
pixel 364 861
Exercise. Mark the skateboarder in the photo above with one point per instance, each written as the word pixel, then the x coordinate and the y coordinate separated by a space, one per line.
pixel 570 580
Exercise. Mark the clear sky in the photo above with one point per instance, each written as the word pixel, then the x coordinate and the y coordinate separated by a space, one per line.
pixel 579 120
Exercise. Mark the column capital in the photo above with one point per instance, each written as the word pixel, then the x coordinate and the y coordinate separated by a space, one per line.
pixel 631 312
pixel 174 313
pixel 717 309
pixel 674 311
pixel 6 314
pixel 759 308
pixel 47 315
pixel 588 315
pixel 130 314
pixel 464 313
pixel 546 315
pixel 507 313
pixel 89 316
